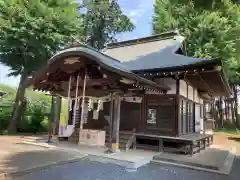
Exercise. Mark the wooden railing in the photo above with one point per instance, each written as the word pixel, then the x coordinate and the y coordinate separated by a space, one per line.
pixel 131 141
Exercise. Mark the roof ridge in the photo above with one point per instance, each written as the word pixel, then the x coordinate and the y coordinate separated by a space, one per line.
pixel 156 37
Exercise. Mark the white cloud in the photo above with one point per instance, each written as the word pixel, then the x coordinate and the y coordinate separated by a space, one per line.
pixel 135 13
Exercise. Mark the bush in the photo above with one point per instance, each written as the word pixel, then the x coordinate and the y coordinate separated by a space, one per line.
pixel 5 116
pixel 35 119
pixel 34 111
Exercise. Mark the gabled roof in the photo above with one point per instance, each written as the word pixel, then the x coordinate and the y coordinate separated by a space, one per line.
pixel 163 59
pixel 108 63
pixel 102 60
pixel 134 49
pixel 155 54
pixel 152 53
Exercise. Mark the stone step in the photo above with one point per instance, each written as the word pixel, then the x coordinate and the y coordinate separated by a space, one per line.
pixel 147 147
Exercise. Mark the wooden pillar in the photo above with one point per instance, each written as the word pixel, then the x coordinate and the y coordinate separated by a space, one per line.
pixel 54 117
pixel 177 107
pixel 57 110
pixel 116 123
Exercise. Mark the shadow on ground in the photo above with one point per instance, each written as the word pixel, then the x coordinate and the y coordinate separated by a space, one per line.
pixel 22 163
pixel 235 171
pixel 237 139
pixel 94 170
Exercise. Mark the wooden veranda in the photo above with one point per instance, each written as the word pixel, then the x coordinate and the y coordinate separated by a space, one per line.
pixel 188 143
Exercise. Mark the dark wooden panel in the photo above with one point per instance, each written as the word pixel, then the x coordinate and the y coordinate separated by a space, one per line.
pixel 165 116
pixel 130 115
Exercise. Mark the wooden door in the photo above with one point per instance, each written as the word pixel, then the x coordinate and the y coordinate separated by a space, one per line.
pixel 160 115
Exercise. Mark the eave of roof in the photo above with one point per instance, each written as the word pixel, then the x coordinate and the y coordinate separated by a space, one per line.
pixel 104 61
pixel 166 58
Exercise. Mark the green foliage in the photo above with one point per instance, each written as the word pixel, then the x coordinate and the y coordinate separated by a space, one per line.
pixel 36 111
pixel 102 21
pixel 5 116
pixel 211 29
pixel 11 93
pixel 32 30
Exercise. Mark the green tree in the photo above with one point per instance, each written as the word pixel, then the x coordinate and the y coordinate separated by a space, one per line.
pixel 102 21
pixel 210 28
pixel 30 32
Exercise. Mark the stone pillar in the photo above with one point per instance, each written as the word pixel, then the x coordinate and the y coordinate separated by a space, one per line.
pixel 116 123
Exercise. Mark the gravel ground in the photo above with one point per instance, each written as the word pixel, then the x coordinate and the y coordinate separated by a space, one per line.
pixel 87 170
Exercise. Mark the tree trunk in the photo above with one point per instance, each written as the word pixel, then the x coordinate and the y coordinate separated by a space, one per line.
pixel 236 106
pixel 12 126
pixel 221 111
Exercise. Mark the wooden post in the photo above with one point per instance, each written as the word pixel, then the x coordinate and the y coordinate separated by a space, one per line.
pixel 54 118
pixel 82 105
pixel 83 101
pixel 116 123
pixel 57 112
pixel 177 108
pixel 111 121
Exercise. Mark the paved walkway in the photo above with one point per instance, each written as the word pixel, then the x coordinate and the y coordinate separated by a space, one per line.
pixel 17 158
pixel 88 170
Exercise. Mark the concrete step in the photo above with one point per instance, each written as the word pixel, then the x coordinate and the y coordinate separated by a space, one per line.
pixel 147 147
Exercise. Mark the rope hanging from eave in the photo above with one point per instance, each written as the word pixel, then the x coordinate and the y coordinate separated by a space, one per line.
pixel 69 92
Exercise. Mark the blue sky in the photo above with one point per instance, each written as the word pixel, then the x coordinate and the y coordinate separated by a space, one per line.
pixel 140 13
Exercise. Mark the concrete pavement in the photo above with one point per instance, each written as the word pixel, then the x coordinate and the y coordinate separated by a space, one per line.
pixel 212 160
pixel 17 159
pixel 90 170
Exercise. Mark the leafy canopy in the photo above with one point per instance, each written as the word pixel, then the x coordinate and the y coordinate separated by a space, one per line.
pixel 32 30
pixel 102 21
pixel 211 28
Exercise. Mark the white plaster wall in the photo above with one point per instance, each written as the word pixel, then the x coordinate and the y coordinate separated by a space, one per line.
pixel 183 88
pixel 198 119
pixel 190 92
pixel 196 96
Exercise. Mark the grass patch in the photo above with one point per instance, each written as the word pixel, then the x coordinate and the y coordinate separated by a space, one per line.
pixel 234 133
